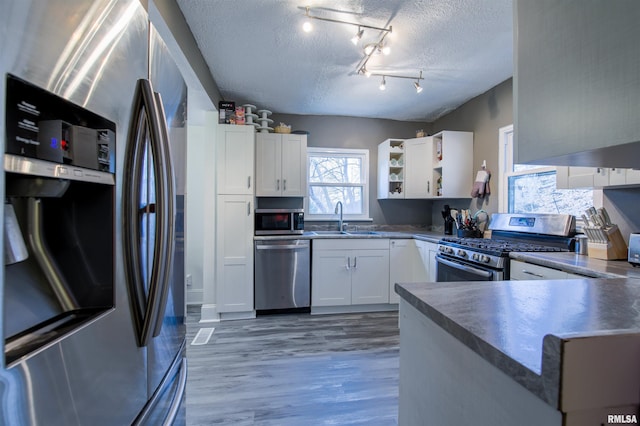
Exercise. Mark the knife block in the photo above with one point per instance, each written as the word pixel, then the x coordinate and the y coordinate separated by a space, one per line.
pixel 614 249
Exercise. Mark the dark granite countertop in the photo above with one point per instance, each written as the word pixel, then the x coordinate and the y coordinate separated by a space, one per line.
pixel 580 264
pixel 423 235
pixel 518 326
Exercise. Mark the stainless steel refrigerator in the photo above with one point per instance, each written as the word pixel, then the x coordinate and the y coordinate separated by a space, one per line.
pixel 92 291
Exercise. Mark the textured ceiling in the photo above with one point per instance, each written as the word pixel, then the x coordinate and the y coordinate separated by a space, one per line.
pixel 258 54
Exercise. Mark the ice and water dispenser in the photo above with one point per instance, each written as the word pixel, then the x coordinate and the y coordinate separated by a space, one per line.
pixel 59 191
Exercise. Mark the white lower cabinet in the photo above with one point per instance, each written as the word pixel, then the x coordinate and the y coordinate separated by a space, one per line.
pixel 528 271
pixel 350 272
pixel 427 253
pixel 234 272
pixel 405 265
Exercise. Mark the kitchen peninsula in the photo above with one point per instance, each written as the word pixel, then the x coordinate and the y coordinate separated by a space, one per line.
pixel 549 352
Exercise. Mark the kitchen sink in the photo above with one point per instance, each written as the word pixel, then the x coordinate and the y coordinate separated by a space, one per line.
pixel 363 233
pixel 346 233
pixel 330 232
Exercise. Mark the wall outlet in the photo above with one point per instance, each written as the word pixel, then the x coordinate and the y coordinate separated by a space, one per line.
pixel 189 280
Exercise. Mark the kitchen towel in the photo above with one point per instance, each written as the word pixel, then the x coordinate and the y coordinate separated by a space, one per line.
pixel 481 185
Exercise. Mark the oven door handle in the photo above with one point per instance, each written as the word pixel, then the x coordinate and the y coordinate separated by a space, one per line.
pixel 470 269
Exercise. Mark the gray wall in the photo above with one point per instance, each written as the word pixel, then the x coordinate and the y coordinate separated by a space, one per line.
pixel 482 115
pixel 622 205
pixel 365 133
pixel 174 19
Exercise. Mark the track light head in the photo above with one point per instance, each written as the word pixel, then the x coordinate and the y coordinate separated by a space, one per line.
pixel 307 27
pixel 383 85
pixel 369 48
pixel 356 38
pixel 418 87
pixel 364 71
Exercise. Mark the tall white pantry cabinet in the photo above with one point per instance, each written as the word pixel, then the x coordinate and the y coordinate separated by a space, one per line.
pixel 235 159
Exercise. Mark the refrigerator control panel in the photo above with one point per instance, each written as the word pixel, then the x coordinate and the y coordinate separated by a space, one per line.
pixel 42 125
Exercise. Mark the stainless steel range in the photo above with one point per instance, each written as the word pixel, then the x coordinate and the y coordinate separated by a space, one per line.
pixel 487 259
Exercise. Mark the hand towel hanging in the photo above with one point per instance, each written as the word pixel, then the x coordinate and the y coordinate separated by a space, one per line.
pixel 481 184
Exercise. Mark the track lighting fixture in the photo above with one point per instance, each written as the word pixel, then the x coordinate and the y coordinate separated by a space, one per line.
pixel 417 83
pixel 369 50
pixel 356 38
pixel 307 27
pixel 372 48
pixel 383 85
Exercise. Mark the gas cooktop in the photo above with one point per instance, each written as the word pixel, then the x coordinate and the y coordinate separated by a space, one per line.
pixel 497 247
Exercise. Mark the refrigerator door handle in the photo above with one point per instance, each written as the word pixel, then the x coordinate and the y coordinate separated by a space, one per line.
pixel 167 228
pixel 178 396
pixel 144 123
pixel 180 362
pixel 138 132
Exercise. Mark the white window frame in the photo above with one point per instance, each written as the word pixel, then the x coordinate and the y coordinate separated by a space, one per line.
pixel 341 152
pixel 505 165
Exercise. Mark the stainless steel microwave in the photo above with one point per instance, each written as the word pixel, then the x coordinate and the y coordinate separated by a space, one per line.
pixel 279 221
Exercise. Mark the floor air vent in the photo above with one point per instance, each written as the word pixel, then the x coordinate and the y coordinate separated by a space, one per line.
pixel 203 336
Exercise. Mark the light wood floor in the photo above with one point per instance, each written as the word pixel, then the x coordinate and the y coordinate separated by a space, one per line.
pixel 295 369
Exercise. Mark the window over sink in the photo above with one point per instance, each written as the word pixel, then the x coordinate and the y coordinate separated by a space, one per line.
pixel 337 175
pixel 532 188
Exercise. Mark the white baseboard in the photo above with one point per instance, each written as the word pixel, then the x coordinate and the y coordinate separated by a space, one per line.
pixel 226 316
pixel 383 307
pixel 209 313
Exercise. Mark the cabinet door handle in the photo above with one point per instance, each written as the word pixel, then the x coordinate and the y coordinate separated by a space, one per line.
pixel 355 262
pixel 249 208
pixel 429 186
pixel 248 181
pixel 284 185
pixel 524 271
pixel 277 184
pixel 348 265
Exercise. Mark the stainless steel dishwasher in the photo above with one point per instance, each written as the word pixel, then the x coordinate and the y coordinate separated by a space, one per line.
pixel 282 274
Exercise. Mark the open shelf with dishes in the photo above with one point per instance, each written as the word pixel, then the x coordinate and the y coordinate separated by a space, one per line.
pixel 391 169
pixel 452 164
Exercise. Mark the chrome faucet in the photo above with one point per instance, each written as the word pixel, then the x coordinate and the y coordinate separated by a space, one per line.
pixel 339 204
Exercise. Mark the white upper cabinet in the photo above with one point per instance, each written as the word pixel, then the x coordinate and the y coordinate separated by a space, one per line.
pixel 452 163
pixel 281 165
pixel 438 166
pixel 235 159
pixel 595 177
pixel 418 177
